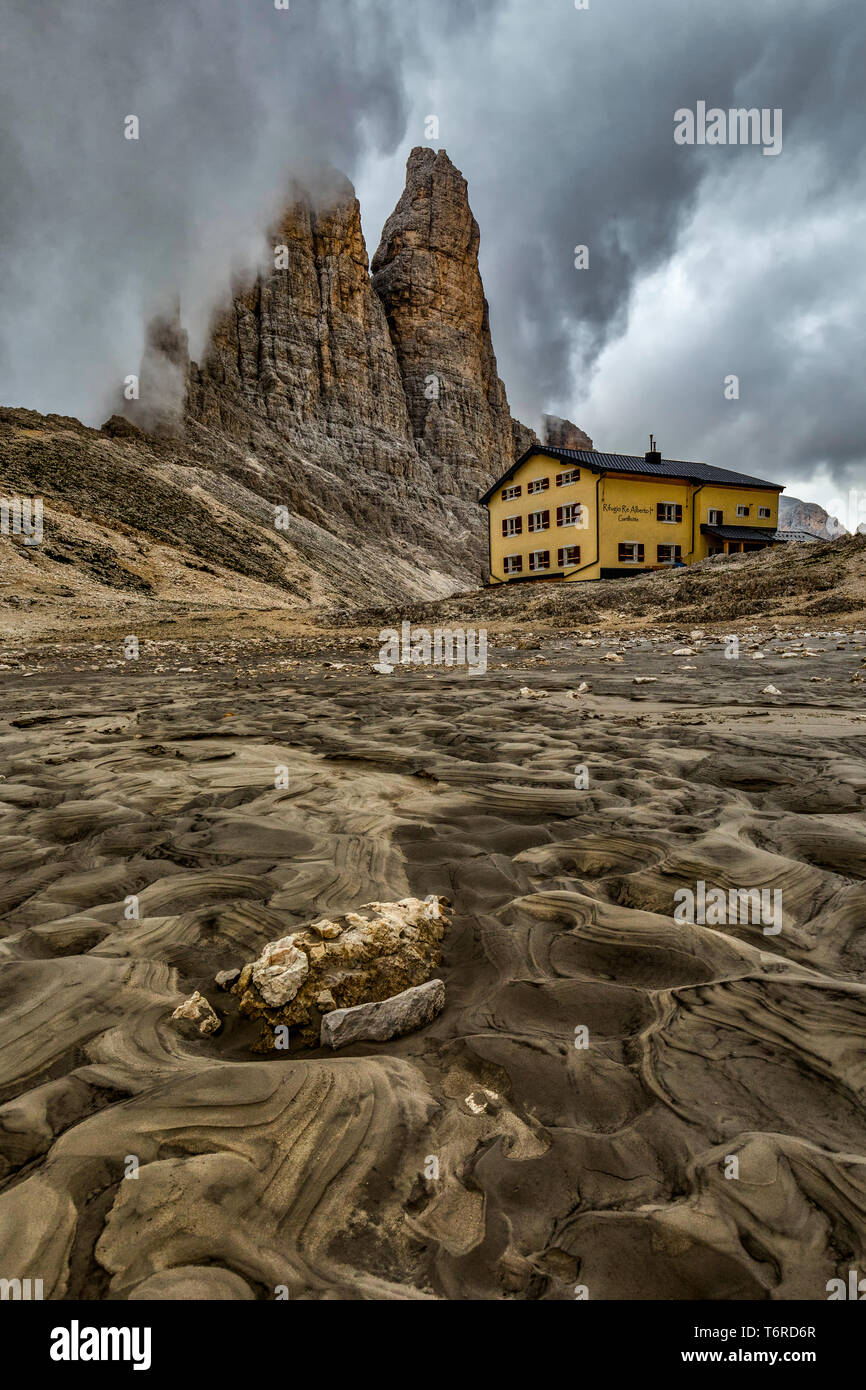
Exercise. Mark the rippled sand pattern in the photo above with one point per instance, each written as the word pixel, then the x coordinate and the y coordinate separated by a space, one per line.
pixel 601 1166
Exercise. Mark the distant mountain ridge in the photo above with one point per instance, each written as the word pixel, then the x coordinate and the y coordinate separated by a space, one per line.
pixel 796 515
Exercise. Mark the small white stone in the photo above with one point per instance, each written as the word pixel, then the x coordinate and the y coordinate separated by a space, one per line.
pixel 195 1015
pixel 479 1101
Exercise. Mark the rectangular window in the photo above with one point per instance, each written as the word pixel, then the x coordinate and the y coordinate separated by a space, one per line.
pixel 669 511
pixel 513 564
pixel 568 555
pixel 539 521
pixel 666 554
pixel 742 509
pixel 764 513
pixel 538 485
pixel 631 552
pixel 568 515
pixel 512 525
pixel 714 517
pixel 509 493
pixel 566 479
pixel 539 559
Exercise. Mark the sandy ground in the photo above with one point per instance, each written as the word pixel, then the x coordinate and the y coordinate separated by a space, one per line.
pixel 604 1166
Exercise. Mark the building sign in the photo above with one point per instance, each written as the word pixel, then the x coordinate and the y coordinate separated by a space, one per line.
pixel 628 511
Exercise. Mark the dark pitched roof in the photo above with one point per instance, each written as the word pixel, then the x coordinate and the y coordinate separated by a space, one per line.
pixel 635 463
pixel 797 533
pixel 740 533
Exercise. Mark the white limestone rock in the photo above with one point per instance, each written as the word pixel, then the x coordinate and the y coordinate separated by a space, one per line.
pixel 280 971
pixel 387 1018
pixel 195 1017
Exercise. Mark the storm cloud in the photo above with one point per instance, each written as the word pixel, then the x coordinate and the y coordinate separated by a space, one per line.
pixel 232 97
pixel 703 261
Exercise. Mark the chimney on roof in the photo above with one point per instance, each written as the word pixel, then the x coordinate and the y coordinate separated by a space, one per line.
pixel 653 455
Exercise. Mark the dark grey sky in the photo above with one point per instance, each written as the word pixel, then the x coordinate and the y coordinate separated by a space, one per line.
pixel 703 262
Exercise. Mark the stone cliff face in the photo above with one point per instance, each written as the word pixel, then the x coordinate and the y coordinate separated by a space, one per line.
pixel 368 408
pixel 521 438
pixel 808 516
pixel 426 274
pixel 562 434
pixel 306 349
pixel 301 379
pixel 163 376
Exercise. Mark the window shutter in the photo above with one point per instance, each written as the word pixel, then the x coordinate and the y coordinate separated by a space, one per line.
pixel 505 528
pixel 640 551
pixel 660 510
pixel 560 511
pixel 545 518
pixel 679 511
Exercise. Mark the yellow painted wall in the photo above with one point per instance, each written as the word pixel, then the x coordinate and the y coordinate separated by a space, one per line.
pixel 626 511
pixel 540 466
pixel 725 499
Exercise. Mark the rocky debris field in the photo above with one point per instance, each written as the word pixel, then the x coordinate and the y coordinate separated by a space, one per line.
pixel 814 582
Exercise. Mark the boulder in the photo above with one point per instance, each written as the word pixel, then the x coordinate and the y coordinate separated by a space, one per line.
pixel 334 964
pixel 385 1018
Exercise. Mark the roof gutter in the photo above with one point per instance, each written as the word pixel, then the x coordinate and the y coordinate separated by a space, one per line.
pixel 694 495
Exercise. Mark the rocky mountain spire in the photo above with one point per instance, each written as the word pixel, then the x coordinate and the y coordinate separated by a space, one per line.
pixel 306 348
pixel 361 416
pixel 426 274
pixel 299 396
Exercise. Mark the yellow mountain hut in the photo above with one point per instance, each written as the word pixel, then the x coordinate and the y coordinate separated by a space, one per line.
pixel 572 514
